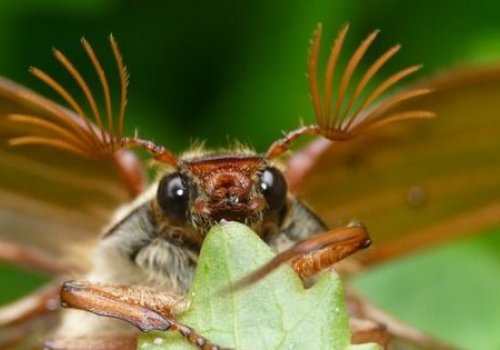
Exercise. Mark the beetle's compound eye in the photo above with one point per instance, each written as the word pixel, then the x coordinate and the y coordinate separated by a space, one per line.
pixel 273 187
pixel 173 197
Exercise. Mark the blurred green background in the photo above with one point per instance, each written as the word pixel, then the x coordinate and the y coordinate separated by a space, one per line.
pixel 236 70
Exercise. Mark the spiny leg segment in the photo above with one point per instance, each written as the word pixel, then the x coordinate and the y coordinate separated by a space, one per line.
pixel 144 308
pixel 310 256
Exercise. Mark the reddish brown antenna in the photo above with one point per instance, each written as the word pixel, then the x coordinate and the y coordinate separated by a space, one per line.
pixel 336 117
pixel 75 131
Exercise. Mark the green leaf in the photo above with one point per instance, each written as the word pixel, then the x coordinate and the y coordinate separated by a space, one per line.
pixel 275 313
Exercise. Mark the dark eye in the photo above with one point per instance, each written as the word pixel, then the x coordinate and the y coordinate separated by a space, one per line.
pixel 273 186
pixel 173 197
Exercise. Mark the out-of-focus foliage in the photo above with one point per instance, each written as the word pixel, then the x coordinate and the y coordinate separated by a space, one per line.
pixel 236 70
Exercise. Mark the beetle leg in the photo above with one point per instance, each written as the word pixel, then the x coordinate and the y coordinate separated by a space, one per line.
pixel 322 251
pixel 311 255
pixel 32 259
pixel 144 308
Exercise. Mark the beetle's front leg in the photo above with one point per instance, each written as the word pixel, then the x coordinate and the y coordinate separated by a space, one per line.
pixel 314 254
pixel 324 250
pixel 144 308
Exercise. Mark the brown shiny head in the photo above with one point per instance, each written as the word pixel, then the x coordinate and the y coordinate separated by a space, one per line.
pixel 204 191
pixel 227 187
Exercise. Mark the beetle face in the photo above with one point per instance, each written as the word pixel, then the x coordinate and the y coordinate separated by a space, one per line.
pixel 204 191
